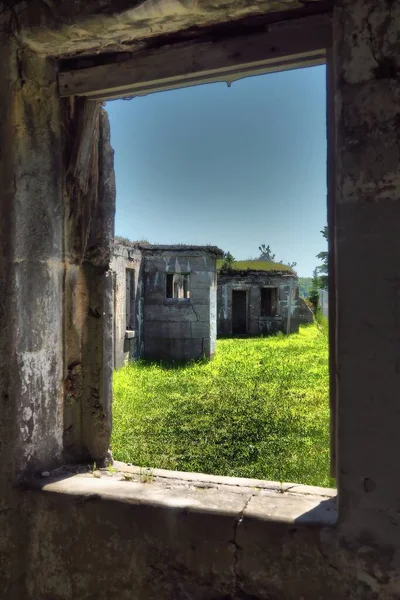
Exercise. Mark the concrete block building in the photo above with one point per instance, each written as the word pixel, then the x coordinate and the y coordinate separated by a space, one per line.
pixel 257 297
pixel 165 301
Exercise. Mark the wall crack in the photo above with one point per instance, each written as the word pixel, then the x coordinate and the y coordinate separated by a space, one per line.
pixel 238 521
pixel 194 310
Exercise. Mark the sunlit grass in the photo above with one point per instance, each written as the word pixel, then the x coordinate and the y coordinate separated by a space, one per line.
pixel 259 409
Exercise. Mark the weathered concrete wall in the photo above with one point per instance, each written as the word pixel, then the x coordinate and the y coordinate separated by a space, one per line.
pixel 56 241
pixel 31 262
pixel 31 289
pixel 56 229
pixel 252 282
pixel 367 71
pixel 85 27
pixel 127 345
pixel 194 540
pixel 89 205
pixel 79 545
pixel 179 329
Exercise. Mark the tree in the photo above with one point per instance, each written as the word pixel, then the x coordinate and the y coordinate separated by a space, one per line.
pixel 265 253
pixel 304 287
pixel 228 260
pixel 323 257
pixel 313 296
pixel 320 275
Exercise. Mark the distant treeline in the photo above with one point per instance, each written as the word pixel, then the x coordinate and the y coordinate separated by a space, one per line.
pixel 305 286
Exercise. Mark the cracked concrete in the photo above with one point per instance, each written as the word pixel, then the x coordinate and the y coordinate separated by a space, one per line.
pixel 238 521
pixel 210 523
pixel 194 310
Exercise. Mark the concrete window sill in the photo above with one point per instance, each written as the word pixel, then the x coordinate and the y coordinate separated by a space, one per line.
pixel 271 318
pixel 130 334
pixel 177 301
pixel 234 497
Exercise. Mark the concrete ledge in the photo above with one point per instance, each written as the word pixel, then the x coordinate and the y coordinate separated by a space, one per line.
pixel 130 334
pixel 176 301
pixel 268 501
pixel 271 318
pixel 223 480
pixel 168 537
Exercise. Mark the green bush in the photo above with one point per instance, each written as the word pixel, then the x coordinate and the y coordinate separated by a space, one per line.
pixel 258 409
pixel 321 322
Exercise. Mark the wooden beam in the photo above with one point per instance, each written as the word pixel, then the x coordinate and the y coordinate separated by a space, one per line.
pixel 287 45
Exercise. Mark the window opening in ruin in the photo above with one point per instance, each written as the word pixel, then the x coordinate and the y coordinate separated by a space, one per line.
pixel 252 182
pixel 178 286
pixel 268 302
pixel 130 298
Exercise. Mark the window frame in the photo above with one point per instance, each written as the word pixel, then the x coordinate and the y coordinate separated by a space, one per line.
pixel 283 45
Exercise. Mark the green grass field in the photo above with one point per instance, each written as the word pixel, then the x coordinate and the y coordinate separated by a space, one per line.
pixel 259 409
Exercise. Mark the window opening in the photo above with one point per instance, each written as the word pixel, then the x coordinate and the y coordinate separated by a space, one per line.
pixel 269 302
pixel 239 199
pixel 177 286
pixel 130 298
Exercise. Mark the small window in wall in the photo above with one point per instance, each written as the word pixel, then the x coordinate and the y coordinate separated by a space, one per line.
pixel 178 286
pixel 130 299
pixel 269 302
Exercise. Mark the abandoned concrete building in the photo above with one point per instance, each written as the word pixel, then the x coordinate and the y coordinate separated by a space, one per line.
pixel 166 305
pixel 165 301
pixel 66 535
pixel 256 298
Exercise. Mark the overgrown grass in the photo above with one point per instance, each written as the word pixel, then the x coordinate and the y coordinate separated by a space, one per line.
pixel 259 409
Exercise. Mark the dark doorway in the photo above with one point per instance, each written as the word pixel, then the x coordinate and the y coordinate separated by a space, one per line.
pixel 239 312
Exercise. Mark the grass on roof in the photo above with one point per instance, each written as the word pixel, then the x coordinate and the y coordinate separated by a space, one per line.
pixel 256 265
pixel 127 242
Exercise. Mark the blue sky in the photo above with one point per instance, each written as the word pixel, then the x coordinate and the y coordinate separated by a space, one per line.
pixel 233 167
